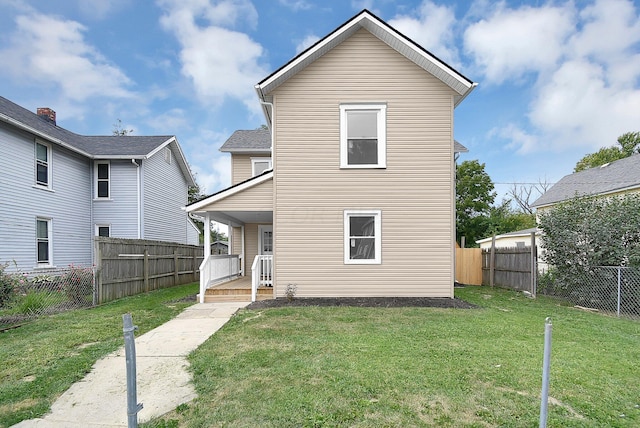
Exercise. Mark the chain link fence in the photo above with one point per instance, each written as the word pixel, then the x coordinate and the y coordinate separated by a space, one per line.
pixel 26 295
pixel 610 290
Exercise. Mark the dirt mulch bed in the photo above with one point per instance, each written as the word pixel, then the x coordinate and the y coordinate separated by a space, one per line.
pixel 365 302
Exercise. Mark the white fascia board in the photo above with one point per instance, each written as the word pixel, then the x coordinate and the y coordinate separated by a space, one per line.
pixel 229 192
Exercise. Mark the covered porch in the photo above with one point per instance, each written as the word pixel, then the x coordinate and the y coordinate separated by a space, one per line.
pixel 246 273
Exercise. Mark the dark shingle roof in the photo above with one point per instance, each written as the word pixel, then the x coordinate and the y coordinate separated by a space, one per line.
pixel 259 140
pixel 254 140
pixel 615 176
pixel 92 146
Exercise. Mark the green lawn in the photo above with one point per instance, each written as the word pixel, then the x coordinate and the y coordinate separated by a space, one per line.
pixel 374 367
pixel 40 360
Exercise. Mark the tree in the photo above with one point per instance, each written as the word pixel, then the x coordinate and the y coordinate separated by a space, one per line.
pixel 503 219
pixel 119 130
pixel 525 194
pixel 628 144
pixel 474 196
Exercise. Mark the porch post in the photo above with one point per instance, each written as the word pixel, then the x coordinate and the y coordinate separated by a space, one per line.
pixel 243 254
pixel 207 235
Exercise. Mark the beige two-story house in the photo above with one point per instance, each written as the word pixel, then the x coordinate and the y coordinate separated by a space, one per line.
pixel 350 190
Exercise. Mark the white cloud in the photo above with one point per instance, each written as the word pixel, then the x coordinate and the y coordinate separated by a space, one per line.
pixel 582 66
pixel 221 63
pixel 512 42
pixel 306 42
pixel 99 9
pixel 49 50
pixel 296 4
pixel 432 29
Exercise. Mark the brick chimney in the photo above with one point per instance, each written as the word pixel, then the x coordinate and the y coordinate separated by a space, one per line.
pixel 47 114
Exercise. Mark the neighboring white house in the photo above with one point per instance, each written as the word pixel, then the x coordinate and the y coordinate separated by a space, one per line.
pixel 518 238
pixel 60 189
pixel 614 178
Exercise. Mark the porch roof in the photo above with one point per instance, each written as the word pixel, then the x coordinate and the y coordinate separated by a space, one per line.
pixel 247 202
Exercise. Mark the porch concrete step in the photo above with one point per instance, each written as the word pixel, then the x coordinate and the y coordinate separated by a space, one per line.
pixel 210 298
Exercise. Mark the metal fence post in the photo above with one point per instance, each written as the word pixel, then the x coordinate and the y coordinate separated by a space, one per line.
pixel 133 407
pixel 618 308
pixel 544 401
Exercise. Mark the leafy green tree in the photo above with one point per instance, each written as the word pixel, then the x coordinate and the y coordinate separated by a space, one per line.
pixel 474 196
pixel 503 219
pixel 628 144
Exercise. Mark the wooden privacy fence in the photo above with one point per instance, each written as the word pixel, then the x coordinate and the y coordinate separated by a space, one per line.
pixel 126 267
pixel 513 267
pixel 469 266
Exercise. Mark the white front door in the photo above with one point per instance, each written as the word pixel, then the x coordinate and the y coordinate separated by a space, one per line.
pixel 265 239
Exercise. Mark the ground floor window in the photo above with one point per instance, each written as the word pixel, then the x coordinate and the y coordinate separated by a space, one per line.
pixel 43 241
pixel 103 230
pixel 362 240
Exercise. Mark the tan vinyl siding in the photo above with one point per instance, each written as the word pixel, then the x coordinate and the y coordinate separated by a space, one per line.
pixel 241 168
pixel 414 192
pixel 256 198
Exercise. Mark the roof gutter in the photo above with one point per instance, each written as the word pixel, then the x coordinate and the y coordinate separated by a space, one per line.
pixel 473 86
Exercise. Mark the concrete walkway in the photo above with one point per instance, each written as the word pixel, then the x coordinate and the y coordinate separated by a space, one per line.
pixel 100 399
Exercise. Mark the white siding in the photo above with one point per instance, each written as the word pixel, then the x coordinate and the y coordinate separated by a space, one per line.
pixel 120 210
pixel 414 192
pixel 165 194
pixel 68 204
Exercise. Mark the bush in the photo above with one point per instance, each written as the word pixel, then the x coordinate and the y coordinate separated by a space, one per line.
pixel 77 284
pixel 9 283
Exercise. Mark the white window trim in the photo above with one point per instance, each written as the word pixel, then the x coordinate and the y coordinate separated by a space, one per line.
pixel 49 165
pixel 95 181
pixel 382 135
pixel 98 226
pixel 254 161
pixel 377 215
pixel 49 242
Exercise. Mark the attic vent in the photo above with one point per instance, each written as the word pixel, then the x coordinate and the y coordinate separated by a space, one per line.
pixel 605 165
pixel 167 155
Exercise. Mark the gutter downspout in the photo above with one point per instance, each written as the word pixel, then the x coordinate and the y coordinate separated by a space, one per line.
pixel 133 161
pixel 273 120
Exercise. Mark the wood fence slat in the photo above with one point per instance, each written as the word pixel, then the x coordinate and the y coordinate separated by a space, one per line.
pixel 146 266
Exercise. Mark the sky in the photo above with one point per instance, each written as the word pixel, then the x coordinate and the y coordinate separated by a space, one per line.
pixel 556 79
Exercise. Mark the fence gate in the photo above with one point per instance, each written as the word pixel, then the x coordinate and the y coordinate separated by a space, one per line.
pixel 513 267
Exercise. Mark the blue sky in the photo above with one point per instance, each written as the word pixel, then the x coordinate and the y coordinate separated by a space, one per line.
pixel 557 79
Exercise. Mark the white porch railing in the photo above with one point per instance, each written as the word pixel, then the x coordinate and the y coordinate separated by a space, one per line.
pixel 261 273
pixel 216 269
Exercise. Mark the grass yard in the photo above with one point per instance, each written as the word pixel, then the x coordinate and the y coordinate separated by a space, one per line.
pixel 392 367
pixel 41 359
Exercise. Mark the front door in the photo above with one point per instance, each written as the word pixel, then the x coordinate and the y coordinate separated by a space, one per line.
pixel 265 248
pixel 265 239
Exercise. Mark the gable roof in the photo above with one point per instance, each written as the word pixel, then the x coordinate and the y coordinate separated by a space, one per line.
pixel 259 141
pixel 93 147
pixel 387 34
pixel 254 141
pixel 617 176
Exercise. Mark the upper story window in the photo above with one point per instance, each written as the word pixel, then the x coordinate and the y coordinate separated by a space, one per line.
pixel 260 165
pixel 363 136
pixel 43 241
pixel 362 237
pixel 43 165
pixel 103 175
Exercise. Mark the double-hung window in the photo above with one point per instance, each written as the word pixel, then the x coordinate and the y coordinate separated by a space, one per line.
pixel 363 140
pixel 260 165
pixel 43 165
pixel 103 175
pixel 362 240
pixel 43 241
